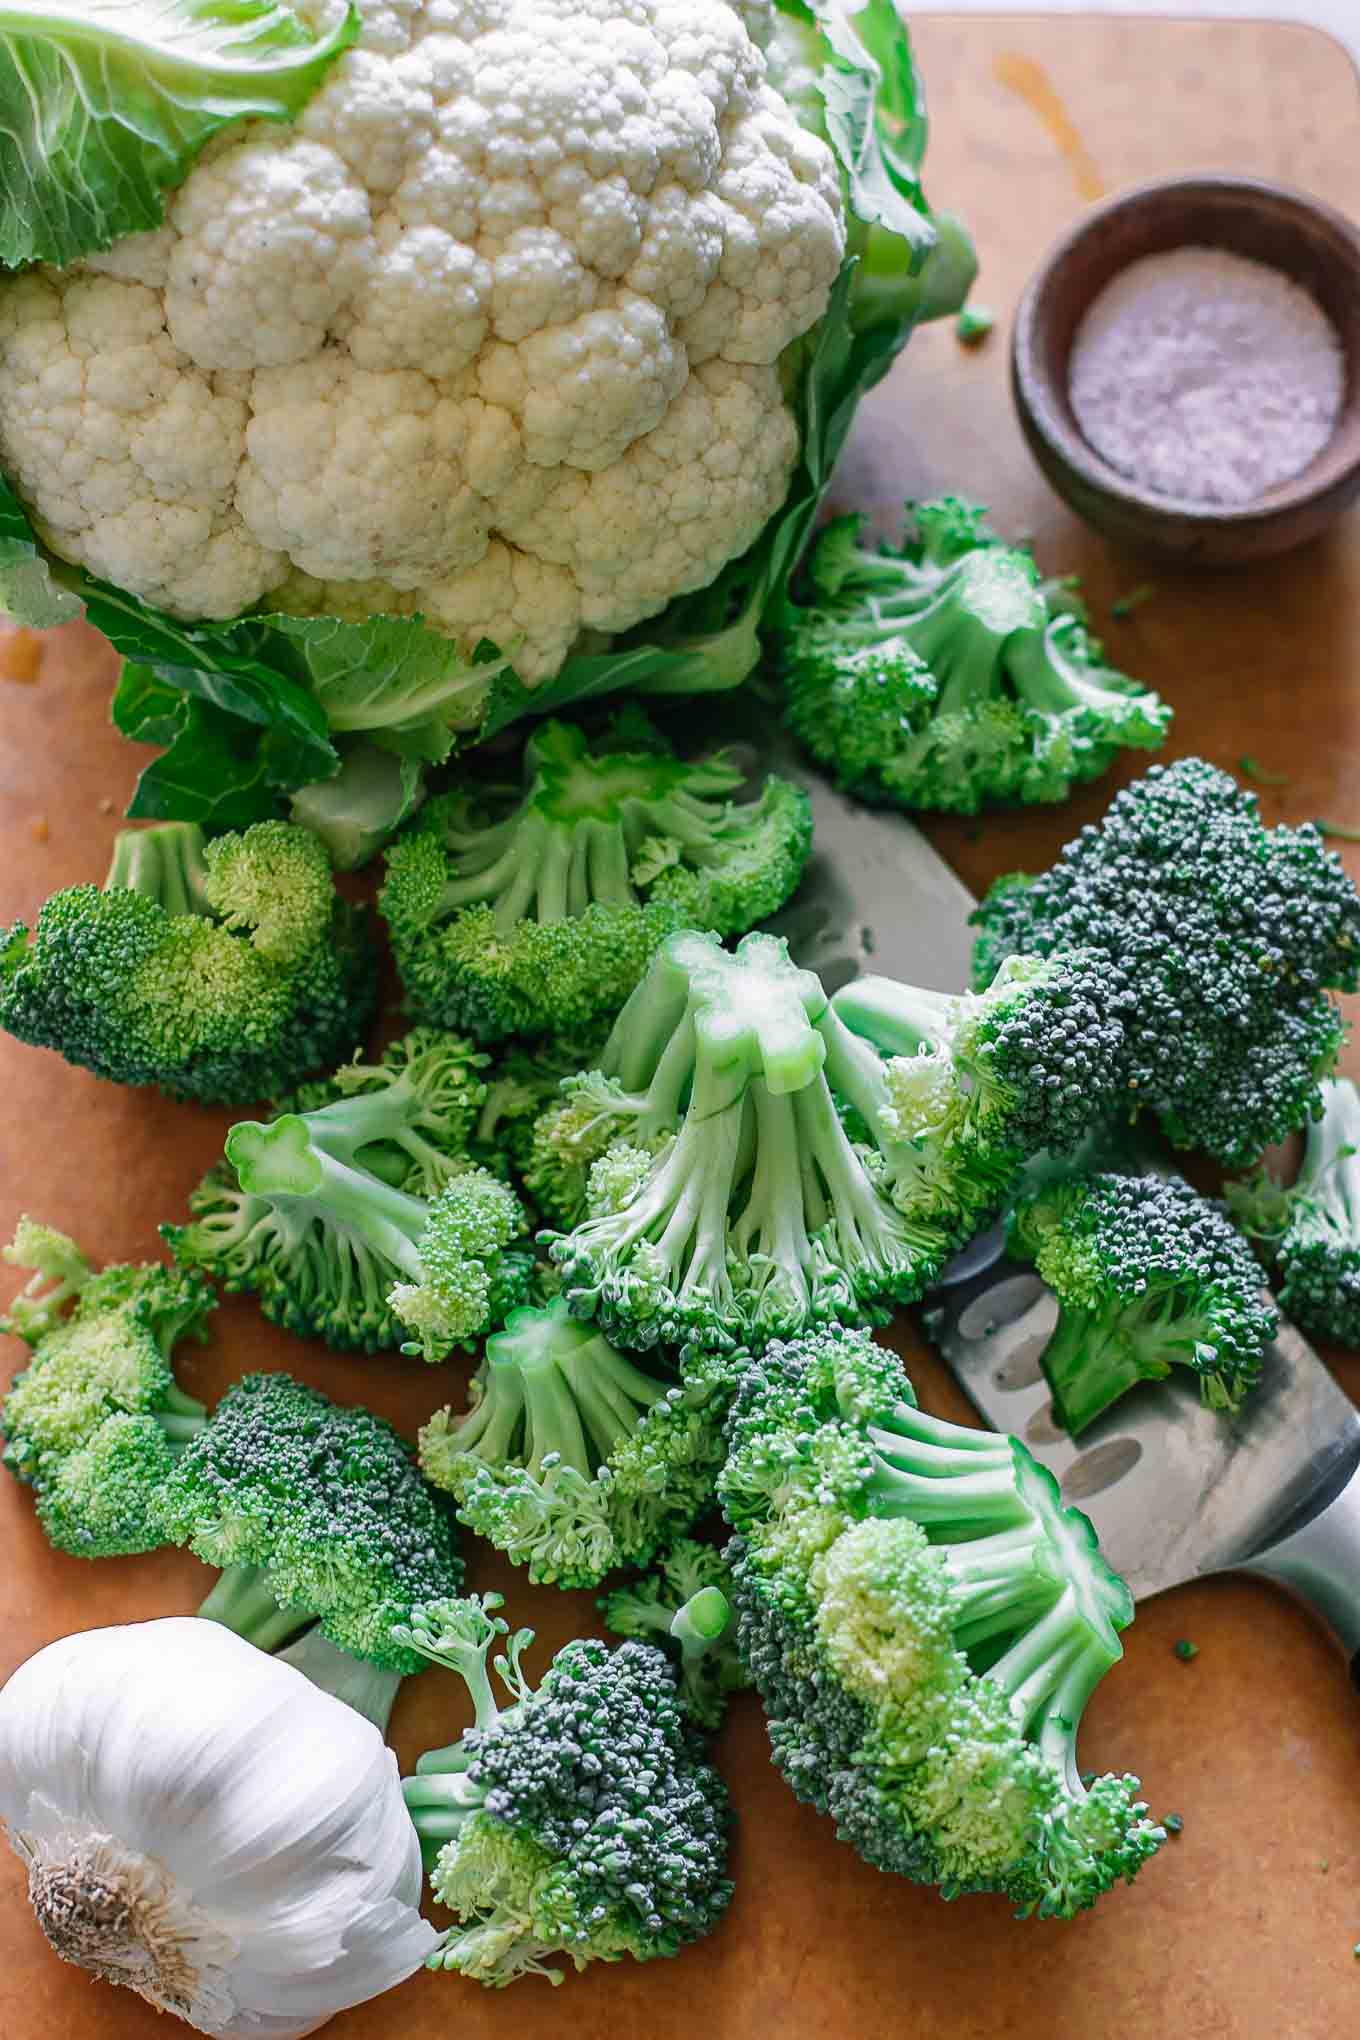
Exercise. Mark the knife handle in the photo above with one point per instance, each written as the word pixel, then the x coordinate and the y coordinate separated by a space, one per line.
pixel 1319 1563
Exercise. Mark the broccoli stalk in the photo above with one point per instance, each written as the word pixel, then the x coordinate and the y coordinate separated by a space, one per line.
pixel 1148 1275
pixel 946 675
pixel 732 1203
pixel 1311 1228
pixel 925 1623
pixel 729 1201
pixel 572 1460
pixel 684 1606
pixel 537 913
pixel 220 972
pixel 580 1822
pixel 97 1420
pixel 360 1220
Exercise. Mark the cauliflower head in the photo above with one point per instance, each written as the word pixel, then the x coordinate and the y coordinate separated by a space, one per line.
pixel 491 334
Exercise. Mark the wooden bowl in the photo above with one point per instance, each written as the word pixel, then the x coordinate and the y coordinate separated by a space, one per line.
pixel 1311 243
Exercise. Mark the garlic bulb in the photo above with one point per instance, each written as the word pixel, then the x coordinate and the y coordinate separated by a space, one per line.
pixel 204 1825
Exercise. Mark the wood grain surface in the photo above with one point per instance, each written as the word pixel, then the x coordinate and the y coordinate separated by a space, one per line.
pixel 1243 1929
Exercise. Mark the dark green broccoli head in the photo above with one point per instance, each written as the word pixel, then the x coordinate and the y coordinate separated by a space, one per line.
pixel 975 1085
pixel 96 1418
pixel 1149 1276
pixel 582 1822
pixel 924 1622
pixel 946 675
pixel 325 1504
pixel 1219 941
pixel 360 1220
pixel 221 972
pixel 537 912
pixel 571 1460
pixel 1310 1229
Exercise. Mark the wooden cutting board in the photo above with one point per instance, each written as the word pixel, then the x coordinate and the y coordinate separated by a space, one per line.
pixel 1244 1928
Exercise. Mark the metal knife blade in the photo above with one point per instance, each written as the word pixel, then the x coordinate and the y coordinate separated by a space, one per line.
pixel 1175 1491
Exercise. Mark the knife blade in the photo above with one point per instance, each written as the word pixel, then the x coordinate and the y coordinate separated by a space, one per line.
pixel 1175 1491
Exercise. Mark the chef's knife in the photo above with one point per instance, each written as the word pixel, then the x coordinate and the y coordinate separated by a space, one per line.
pixel 1176 1492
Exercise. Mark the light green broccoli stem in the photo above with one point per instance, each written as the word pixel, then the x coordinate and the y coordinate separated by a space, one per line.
pixel 165 862
pixel 701 1624
pixel 180 1416
pixel 1049 1674
pixel 243 1601
pixel 580 1398
pixel 899 1019
pixel 365 1687
pixel 1330 1176
pixel 458 1634
pixel 1091 1360
pixel 951 1480
pixel 376 1125
pixel 278 1159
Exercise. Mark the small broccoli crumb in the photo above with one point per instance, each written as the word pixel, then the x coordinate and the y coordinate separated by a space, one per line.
pixel 1252 768
pixel 1125 605
pixel 973 324
pixel 1173 1823
pixel 1185 1650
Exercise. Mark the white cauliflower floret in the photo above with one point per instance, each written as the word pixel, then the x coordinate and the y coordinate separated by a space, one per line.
pixel 491 335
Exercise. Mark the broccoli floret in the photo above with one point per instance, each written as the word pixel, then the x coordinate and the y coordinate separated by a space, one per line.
pixel 972 1086
pixel 731 1196
pixel 1219 941
pixel 1149 1276
pixel 359 1219
pixel 96 1420
pixel 581 1822
pixel 571 1460
pixel 732 1205
pixel 924 1623
pixel 1310 1229
pixel 684 1605
pixel 221 972
pixel 538 912
pixel 946 675
pixel 313 1512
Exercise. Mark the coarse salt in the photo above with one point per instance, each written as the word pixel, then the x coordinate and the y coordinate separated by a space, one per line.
pixel 1205 376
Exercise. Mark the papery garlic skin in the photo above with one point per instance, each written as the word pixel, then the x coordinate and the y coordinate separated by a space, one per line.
pixel 204 1825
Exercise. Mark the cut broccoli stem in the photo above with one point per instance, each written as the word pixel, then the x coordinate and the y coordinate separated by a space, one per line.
pixel 279 1159
pixel 1049 680
pixel 242 1601
pixel 1048 1674
pixel 1088 1366
pixel 703 1621
pixel 166 863
pixel 1331 1163
pixel 180 1416
pixel 897 1018
pixel 367 1688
